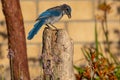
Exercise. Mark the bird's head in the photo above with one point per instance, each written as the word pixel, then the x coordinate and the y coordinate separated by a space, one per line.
pixel 66 9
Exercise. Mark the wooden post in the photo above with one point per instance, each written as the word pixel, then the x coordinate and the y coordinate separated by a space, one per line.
pixel 57 55
pixel 16 40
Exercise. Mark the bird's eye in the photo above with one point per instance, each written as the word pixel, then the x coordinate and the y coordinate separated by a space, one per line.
pixel 67 9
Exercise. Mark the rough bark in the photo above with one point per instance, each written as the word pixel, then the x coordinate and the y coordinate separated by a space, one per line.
pixel 16 40
pixel 57 55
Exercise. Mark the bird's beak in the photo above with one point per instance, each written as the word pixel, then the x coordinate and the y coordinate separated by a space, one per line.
pixel 69 15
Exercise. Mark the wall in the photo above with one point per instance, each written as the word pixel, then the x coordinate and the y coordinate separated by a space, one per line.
pixel 80 28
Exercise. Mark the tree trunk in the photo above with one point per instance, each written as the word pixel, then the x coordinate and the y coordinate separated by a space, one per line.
pixel 57 55
pixel 16 40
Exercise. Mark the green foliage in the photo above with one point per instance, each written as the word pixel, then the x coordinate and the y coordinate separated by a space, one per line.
pixel 96 38
pixel 80 70
pixel 99 67
pixel 117 71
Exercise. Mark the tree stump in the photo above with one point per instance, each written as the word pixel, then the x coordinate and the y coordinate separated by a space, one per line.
pixel 57 55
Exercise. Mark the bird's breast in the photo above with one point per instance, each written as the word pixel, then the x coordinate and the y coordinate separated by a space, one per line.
pixel 53 19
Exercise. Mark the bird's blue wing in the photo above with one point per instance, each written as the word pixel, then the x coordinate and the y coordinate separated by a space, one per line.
pixel 55 12
pixel 44 15
pixel 49 13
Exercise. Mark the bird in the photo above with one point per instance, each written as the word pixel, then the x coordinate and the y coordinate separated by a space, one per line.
pixel 49 17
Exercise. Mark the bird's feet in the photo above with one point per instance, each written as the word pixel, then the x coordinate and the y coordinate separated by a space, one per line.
pixel 52 26
pixel 48 26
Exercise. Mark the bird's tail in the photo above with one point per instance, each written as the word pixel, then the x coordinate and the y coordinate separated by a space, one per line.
pixel 36 28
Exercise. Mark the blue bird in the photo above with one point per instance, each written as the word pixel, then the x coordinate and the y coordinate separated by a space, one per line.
pixel 49 17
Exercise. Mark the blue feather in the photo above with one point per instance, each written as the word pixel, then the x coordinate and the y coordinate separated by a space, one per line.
pixel 36 28
pixel 49 13
pixel 55 12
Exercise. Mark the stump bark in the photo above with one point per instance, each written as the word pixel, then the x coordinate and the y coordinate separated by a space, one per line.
pixel 57 55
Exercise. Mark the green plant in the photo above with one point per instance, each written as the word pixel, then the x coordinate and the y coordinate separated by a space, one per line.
pixel 106 8
pixel 117 71
pixel 99 67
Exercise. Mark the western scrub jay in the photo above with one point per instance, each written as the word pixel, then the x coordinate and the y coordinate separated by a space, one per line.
pixel 49 17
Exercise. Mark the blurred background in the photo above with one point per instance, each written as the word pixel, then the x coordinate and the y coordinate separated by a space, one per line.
pixel 81 28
